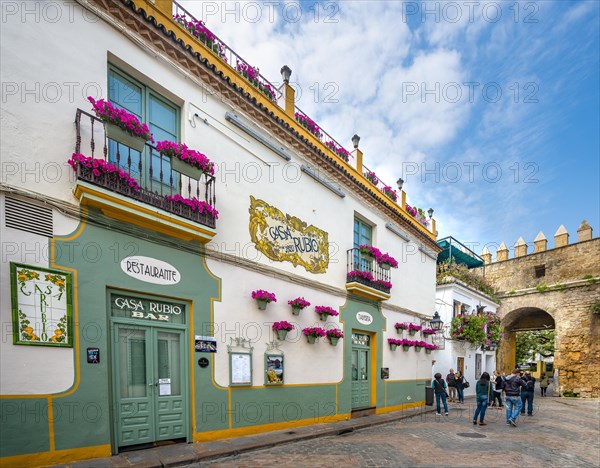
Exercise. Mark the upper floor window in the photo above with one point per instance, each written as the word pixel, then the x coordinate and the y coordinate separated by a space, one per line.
pixel 162 117
pixel 540 271
pixel 363 233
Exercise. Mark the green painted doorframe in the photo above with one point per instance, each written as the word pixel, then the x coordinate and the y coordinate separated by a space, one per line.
pixel 152 330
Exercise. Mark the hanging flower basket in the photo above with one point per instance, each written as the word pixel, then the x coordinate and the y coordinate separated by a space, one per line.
pixel 262 298
pixel 418 349
pixel 325 311
pixel 334 336
pixel 405 347
pixel 298 304
pixel 400 327
pixel 312 333
pixel 413 329
pixel 427 351
pixel 282 328
pixel 393 342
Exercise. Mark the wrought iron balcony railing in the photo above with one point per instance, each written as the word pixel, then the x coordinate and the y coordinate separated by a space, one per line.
pixel 151 179
pixel 365 270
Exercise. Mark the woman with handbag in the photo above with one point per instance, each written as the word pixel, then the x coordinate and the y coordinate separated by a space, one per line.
pixel 439 387
pixel 483 391
pixel 459 383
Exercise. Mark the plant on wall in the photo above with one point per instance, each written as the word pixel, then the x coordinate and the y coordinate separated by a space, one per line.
pixel 462 273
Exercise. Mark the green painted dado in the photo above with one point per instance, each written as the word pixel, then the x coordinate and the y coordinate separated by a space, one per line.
pixel 257 406
pixel 24 423
pixel 404 391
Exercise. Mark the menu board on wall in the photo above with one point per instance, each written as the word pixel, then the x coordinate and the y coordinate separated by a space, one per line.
pixel 41 306
pixel 241 368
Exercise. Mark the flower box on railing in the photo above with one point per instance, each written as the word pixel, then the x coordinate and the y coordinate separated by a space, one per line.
pixel 341 152
pixel 252 74
pixel 308 124
pixel 184 160
pixel 390 193
pixel 372 177
pixel 199 30
pixel 120 125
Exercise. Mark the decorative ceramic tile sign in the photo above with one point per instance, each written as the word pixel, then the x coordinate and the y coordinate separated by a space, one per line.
pixel 41 306
pixel 285 238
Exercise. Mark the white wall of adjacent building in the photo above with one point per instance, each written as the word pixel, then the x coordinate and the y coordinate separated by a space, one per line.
pixel 447 358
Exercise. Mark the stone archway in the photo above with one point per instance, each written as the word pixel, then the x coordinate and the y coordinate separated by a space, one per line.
pixel 526 318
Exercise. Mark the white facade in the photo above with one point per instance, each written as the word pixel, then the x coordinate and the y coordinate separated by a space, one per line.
pixel 458 296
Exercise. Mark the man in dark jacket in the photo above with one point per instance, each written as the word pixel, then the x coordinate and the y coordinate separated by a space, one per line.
pixel 512 389
pixel 527 393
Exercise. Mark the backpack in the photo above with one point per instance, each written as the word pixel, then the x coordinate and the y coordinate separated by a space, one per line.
pixel 500 385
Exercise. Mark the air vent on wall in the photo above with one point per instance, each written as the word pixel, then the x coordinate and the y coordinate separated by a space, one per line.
pixel 19 214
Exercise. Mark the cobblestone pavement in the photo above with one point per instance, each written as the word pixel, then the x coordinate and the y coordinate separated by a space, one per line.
pixel 562 433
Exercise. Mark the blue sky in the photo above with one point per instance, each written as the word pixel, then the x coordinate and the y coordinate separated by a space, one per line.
pixel 489 112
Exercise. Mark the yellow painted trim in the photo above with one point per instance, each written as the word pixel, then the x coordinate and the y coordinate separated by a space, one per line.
pixel 229 406
pixel 51 424
pixel 281 113
pixel 403 406
pixel 113 206
pixel 366 291
pixel 55 457
pixel 192 367
pixel 242 431
pixel 373 368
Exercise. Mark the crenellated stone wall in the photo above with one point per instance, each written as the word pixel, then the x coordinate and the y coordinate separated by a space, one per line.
pixel 563 282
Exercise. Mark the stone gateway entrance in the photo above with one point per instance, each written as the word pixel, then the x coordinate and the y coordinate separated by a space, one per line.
pixel 557 288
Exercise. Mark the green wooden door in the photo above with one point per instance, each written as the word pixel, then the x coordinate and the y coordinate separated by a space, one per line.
pixel 150 390
pixel 361 379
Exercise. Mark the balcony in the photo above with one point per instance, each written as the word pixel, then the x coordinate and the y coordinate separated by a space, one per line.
pixel 366 277
pixel 140 187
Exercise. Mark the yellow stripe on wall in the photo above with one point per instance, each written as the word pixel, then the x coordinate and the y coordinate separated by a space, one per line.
pixel 54 457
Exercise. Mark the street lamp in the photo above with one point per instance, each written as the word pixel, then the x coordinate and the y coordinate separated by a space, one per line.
pixel 286 72
pixel 430 213
pixel 355 140
pixel 436 322
pixel 400 183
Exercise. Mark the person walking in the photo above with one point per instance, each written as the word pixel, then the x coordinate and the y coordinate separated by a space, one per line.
pixel 451 381
pixel 512 390
pixel 439 387
pixel 459 383
pixel 497 387
pixel 483 390
pixel 543 384
pixel 527 393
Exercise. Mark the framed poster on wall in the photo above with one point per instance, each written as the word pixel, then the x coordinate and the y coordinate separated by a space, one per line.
pixel 274 369
pixel 42 306
pixel 240 365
